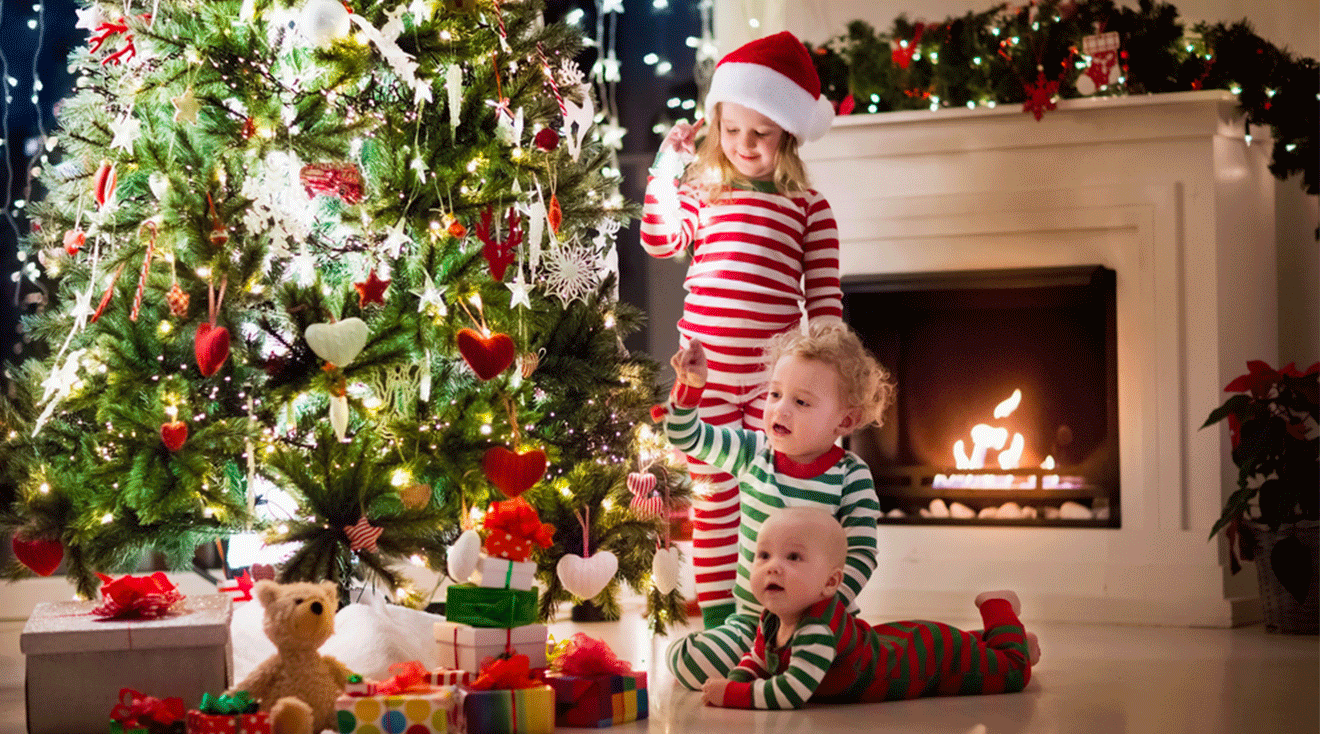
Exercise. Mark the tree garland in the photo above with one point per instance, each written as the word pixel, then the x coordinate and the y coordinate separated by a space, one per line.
pixel 1038 53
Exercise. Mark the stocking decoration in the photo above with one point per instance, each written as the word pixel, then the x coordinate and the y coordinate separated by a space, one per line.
pixel 362 535
pixel 41 556
pixel 499 255
pixel 173 434
pixel 463 555
pixel 646 502
pixel 513 473
pixel 586 575
pixel 488 356
pixel 1104 69
pixel 1040 96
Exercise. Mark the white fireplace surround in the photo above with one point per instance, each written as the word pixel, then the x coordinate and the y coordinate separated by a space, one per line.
pixel 1168 192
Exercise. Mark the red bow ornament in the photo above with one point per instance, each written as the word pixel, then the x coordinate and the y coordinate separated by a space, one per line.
pixel 586 656
pixel 146 597
pixel 504 674
pixel 138 711
pixel 409 677
pixel 513 527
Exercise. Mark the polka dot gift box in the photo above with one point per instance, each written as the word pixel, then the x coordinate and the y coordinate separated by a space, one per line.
pixel 408 713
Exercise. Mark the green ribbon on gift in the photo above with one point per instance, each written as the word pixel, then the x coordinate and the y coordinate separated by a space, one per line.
pixel 239 702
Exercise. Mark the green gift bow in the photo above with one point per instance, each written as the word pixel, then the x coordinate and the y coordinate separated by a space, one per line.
pixel 240 702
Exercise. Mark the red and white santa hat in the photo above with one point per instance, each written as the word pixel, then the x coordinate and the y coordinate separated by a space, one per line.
pixel 774 76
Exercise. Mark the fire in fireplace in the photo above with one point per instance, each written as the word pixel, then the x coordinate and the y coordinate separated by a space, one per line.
pixel 1007 407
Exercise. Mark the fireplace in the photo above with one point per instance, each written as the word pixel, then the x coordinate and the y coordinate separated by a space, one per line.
pixel 1160 195
pixel 1007 407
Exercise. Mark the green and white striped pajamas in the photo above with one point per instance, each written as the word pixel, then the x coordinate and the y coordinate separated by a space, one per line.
pixel 838 482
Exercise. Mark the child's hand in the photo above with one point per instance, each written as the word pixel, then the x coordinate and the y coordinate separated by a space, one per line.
pixel 682 138
pixel 712 691
pixel 690 365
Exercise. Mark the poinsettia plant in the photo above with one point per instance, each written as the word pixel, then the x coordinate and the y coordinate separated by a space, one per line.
pixel 1274 427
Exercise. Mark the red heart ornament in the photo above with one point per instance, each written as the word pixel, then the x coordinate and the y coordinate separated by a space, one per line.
pixel 212 348
pixel 513 473
pixel 42 556
pixel 487 356
pixel 174 434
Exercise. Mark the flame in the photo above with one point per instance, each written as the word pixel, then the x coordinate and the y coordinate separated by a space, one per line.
pixel 985 438
pixel 1006 408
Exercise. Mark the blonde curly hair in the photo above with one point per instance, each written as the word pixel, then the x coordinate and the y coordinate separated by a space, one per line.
pixel 864 383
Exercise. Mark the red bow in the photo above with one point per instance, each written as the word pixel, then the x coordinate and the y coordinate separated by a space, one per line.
pixel 134 709
pixel 520 521
pixel 148 597
pixel 408 677
pixel 586 656
pixel 506 674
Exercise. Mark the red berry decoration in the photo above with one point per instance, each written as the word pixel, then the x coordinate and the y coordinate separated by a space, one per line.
pixel 547 139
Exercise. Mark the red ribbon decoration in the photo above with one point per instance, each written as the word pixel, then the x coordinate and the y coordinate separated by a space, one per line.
pixel 146 597
pixel 503 674
pixel 409 677
pixel 587 656
pixel 134 709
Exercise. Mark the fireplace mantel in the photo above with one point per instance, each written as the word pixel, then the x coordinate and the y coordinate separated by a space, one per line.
pixel 1169 192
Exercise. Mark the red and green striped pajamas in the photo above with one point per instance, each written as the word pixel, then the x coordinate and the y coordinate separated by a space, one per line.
pixel 834 657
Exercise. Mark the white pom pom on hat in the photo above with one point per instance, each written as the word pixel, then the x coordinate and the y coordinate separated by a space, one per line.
pixel 774 76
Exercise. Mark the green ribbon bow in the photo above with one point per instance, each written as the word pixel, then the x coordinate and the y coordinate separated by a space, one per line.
pixel 240 702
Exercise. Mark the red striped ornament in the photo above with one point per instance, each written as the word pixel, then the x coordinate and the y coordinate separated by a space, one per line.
pixel 646 502
pixel 363 535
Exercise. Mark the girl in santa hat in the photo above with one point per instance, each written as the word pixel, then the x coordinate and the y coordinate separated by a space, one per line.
pixel 765 255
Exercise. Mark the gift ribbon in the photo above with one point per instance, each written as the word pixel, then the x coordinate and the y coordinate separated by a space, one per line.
pixel 511 673
pixel 508 575
pixel 586 656
pixel 409 677
pixel 508 644
pixel 137 596
pixel 239 702
pixel 134 708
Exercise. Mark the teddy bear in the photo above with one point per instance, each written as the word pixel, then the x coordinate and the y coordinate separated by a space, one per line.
pixel 298 685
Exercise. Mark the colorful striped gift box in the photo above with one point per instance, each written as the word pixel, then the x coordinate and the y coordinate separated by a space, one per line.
pixel 517 711
pixel 600 700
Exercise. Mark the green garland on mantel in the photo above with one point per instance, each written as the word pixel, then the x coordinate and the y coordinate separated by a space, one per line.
pixel 1034 54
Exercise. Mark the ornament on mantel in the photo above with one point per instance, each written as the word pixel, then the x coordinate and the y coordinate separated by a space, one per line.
pixel 362 536
pixel 42 556
pixel 488 356
pixel 338 343
pixel 1040 96
pixel 1104 68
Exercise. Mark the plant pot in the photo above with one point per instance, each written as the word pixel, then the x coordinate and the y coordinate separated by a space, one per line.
pixel 1284 612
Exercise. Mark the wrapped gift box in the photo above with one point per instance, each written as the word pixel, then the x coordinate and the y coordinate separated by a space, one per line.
pixel 501 573
pixel 76 656
pixel 599 700
pixel 255 723
pixel 517 711
pixel 480 606
pixel 404 712
pixel 463 646
pixel 449 677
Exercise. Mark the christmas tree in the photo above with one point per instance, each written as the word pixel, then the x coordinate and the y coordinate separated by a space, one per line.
pixel 340 276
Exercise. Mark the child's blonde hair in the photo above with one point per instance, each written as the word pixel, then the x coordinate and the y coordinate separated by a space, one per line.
pixel 824 529
pixel 711 173
pixel 863 383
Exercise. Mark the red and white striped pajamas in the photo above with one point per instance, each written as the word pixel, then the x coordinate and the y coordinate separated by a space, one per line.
pixel 759 261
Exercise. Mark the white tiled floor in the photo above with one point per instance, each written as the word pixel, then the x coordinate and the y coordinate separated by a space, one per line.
pixel 1090 680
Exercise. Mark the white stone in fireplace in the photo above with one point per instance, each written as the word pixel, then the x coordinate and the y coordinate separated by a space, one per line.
pixel 1165 190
